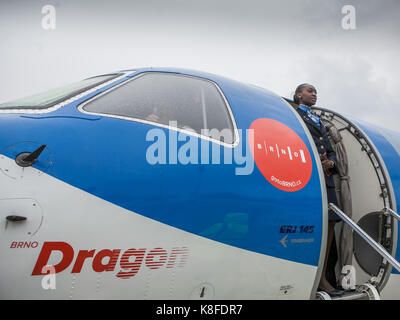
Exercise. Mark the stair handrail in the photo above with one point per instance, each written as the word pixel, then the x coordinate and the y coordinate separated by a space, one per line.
pixel 376 246
pixel 393 213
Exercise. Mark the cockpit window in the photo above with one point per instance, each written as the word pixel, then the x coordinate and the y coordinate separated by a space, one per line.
pixel 54 96
pixel 185 102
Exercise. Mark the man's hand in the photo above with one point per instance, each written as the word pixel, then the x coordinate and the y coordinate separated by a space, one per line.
pixel 326 164
pixel 153 117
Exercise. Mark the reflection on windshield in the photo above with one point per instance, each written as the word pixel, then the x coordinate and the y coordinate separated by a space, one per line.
pixel 54 96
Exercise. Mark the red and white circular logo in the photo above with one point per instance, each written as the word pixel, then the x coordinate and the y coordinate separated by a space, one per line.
pixel 280 155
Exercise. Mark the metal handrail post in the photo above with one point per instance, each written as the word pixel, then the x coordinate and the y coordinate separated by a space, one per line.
pixel 378 248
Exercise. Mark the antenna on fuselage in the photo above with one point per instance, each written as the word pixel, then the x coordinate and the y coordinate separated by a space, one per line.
pixel 26 159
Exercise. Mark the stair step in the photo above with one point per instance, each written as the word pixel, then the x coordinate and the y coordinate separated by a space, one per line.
pixel 352 296
pixel 363 292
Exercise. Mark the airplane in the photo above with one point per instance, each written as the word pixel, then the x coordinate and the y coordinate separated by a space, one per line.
pixel 163 183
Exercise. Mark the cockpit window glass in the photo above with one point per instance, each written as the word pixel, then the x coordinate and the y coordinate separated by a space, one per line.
pixel 54 96
pixel 186 102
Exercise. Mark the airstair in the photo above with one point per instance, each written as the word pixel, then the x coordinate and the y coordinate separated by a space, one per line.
pixel 366 291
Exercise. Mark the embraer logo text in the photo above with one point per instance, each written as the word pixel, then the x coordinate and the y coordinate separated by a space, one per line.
pixel 106 260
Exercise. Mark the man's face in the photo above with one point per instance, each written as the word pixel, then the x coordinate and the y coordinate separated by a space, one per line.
pixel 308 95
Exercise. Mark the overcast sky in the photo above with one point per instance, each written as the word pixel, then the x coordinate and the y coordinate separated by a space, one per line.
pixel 273 44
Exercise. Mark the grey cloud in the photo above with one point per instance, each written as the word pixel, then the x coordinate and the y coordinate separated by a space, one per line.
pixel 350 86
pixel 274 44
